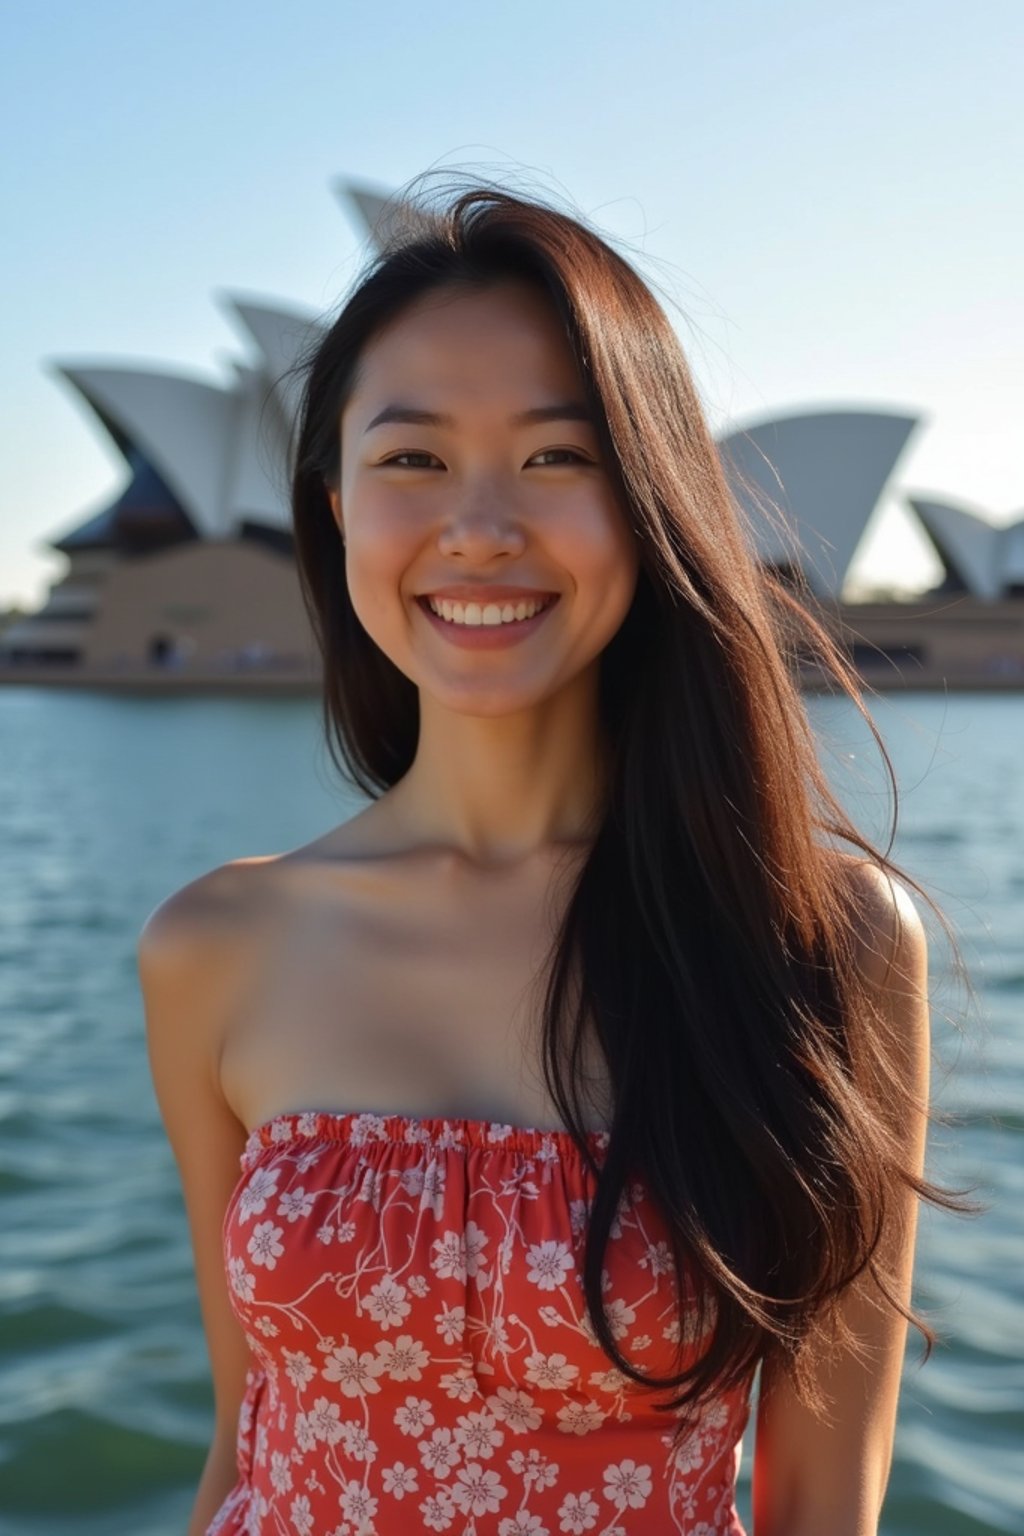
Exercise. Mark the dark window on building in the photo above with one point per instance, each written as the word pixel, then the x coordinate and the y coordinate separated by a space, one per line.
pixel 27 656
pixel 160 650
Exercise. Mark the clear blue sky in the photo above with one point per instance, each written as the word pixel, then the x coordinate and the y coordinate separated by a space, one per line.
pixel 833 195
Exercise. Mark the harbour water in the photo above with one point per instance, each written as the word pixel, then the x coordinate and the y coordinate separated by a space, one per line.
pixel 109 803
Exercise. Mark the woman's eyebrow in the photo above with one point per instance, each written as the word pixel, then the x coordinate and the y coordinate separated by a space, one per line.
pixel 563 410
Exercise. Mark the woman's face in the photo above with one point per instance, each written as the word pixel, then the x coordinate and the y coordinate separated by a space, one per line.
pixel 471 474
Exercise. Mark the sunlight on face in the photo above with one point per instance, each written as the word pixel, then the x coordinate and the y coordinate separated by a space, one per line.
pixel 481 496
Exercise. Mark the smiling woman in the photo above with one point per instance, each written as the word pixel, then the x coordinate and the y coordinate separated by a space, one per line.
pixel 492 468
pixel 582 1073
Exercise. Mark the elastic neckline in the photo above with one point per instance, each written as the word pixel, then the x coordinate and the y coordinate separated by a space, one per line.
pixel 442 1132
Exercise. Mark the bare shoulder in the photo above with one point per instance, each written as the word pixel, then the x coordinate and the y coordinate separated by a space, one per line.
pixel 228 904
pixel 892 956
pixel 195 950
pixel 213 907
pixel 891 937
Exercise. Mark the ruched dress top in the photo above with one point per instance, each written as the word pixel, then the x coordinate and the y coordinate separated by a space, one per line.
pixel 411 1291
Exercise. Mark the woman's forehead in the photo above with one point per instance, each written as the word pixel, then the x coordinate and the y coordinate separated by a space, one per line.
pixel 503 344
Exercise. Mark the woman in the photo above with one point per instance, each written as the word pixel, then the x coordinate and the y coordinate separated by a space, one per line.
pixel 575 1078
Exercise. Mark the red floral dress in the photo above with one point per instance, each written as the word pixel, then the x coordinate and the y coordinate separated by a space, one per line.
pixel 411 1290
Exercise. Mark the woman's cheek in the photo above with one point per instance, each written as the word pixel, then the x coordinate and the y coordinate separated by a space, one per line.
pixel 598 547
pixel 384 536
pixel 377 561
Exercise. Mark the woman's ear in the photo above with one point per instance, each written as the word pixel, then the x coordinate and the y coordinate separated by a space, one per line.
pixel 334 497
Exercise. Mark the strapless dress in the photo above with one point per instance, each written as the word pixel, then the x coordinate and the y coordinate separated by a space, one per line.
pixel 411 1292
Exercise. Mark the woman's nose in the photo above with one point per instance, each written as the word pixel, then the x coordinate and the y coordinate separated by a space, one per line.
pixel 481 525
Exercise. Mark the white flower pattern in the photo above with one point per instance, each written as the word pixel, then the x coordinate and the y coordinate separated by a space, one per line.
pixel 411 1292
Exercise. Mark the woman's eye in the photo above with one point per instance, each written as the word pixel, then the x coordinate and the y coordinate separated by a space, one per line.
pixel 571 452
pixel 409 454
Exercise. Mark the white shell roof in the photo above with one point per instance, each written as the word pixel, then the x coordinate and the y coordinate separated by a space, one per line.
pixel 282 335
pixel 181 425
pixel 986 558
pixel 825 472
pixel 255 461
pixel 221 450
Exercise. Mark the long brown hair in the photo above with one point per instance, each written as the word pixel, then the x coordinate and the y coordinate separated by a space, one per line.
pixel 710 939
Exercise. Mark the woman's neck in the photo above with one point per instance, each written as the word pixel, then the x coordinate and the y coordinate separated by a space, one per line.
pixel 502 789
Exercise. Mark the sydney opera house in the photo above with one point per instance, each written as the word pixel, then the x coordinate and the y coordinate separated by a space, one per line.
pixel 186 579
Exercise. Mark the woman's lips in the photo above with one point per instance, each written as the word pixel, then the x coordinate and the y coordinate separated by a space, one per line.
pixel 487 637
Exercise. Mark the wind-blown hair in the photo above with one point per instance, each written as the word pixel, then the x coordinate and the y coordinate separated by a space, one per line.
pixel 710 940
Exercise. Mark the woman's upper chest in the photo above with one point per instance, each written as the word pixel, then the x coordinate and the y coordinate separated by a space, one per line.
pixel 397 985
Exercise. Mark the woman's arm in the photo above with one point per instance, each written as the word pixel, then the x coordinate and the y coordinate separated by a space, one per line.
pixel 186 974
pixel 818 1477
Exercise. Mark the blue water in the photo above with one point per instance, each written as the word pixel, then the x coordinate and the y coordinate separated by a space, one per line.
pixel 108 804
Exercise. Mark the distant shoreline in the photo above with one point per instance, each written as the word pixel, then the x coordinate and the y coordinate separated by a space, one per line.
pixel 152 683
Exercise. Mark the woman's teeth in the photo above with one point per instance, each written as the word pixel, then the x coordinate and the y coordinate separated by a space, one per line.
pixel 487 613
